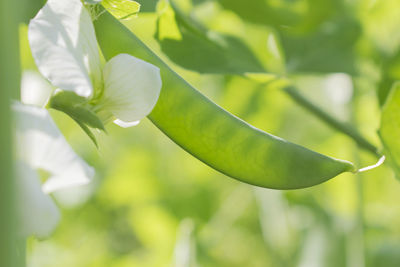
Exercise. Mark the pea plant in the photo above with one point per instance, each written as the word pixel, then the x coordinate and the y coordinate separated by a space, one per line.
pixel 92 64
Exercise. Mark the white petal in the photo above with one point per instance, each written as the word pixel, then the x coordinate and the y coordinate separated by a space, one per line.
pixel 73 197
pixel 125 124
pixel 37 213
pixel 131 87
pixel 64 46
pixel 34 89
pixel 42 146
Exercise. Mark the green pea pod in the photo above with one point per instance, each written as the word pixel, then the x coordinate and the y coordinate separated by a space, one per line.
pixel 215 136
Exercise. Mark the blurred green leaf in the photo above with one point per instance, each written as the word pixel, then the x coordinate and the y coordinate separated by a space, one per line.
pixel 264 12
pixel 317 35
pixel 390 73
pixel 390 128
pixel 147 5
pixel 193 47
pixel 300 16
pixel 380 20
pixel 328 49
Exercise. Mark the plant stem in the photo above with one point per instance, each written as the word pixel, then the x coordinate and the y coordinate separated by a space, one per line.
pixel 21 252
pixel 342 127
pixel 9 88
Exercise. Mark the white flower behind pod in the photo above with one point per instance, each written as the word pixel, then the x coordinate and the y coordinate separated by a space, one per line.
pixel 64 46
pixel 34 89
pixel 40 146
pixel 37 213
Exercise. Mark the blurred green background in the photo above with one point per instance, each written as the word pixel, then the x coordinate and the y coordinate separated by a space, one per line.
pixel 152 204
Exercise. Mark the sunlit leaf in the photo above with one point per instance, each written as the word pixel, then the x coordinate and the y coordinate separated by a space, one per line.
pixel 122 9
pixel 88 132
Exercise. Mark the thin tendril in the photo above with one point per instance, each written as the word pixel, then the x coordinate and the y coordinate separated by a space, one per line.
pixel 379 163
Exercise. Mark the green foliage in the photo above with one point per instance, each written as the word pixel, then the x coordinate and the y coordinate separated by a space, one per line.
pixel 147 187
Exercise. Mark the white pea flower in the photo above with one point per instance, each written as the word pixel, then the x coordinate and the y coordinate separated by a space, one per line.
pixel 42 149
pixel 34 89
pixel 64 46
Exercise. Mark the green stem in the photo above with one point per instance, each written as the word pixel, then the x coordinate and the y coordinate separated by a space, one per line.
pixel 342 127
pixel 9 88
pixel 21 252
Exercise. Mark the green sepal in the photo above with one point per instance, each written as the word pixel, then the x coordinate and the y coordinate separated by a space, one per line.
pixel 76 107
pixel 88 132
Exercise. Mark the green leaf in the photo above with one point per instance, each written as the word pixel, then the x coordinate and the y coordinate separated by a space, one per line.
pixel 215 136
pixel 390 128
pixel 147 5
pixel 193 47
pixel 122 9
pixel 75 107
pixel 324 50
pixel 263 12
pixel 319 38
pixel 390 73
